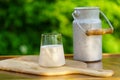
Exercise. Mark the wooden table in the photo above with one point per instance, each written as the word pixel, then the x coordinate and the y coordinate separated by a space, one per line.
pixel 109 61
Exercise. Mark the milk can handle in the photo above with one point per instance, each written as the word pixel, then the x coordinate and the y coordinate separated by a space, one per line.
pixel 101 31
pixel 77 22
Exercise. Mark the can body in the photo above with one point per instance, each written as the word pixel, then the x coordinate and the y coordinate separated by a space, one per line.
pixel 86 48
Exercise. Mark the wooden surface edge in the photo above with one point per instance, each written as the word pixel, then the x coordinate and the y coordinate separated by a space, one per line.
pixel 111 55
pixel 104 55
pixel 66 55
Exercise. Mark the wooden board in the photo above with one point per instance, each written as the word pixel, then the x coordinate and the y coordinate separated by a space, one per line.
pixel 29 64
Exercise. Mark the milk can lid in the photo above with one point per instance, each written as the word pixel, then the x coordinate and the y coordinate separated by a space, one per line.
pixel 86 8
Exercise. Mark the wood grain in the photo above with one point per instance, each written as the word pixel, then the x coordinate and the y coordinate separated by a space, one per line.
pixel 99 31
pixel 109 61
pixel 29 64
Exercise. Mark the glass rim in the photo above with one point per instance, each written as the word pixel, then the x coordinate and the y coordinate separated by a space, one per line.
pixel 45 34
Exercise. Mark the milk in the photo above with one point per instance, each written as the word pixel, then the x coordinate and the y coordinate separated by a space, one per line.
pixel 51 56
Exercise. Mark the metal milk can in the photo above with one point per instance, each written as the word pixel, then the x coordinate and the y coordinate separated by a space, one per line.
pixel 87 33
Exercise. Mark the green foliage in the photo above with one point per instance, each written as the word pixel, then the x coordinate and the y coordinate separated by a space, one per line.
pixel 23 21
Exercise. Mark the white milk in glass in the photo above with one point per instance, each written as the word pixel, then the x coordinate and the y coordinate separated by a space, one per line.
pixel 51 56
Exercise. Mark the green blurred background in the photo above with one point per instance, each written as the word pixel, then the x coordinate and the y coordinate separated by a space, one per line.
pixel 23 21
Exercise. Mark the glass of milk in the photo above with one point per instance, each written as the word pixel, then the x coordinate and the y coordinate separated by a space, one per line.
pixel 51 50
